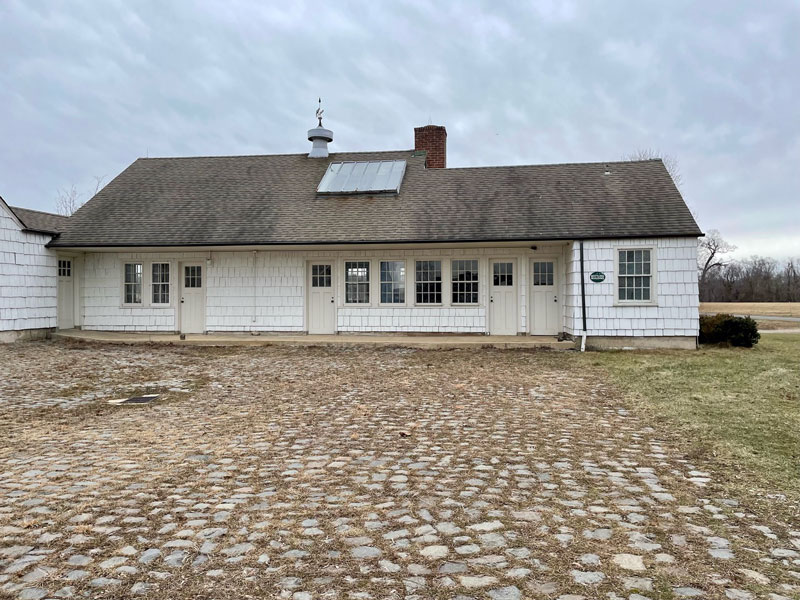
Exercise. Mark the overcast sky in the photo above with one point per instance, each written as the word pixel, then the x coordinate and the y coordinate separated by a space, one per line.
pixel 89 86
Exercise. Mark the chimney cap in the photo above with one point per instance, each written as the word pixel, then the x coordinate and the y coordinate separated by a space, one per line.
pixel 436 127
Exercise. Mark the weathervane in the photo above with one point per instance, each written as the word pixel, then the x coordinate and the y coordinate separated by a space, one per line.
pixel 319 112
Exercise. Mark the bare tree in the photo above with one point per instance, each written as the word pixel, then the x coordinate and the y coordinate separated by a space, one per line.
pixel 98 183
pixel 670 162
pixel 791 275
pixel 755 279
pixel 711 254
pixel 68 200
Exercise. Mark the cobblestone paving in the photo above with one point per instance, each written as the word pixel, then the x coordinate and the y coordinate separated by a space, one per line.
pixel 356 473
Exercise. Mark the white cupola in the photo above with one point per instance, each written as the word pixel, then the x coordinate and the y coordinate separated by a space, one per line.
pixel 319 137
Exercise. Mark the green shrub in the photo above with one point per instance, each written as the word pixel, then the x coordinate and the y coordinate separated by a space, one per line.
pixel 727 329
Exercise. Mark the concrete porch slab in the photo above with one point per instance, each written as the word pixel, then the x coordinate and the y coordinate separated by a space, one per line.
pixel 244 339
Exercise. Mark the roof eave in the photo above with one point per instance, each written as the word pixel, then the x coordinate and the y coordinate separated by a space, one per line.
pixel 77 246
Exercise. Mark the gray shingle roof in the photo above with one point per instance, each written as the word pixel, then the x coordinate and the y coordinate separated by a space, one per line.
pixel 244 200
pixel 36 220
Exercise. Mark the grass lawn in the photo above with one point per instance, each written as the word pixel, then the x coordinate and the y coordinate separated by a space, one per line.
pixel 769 309
pixel 740 406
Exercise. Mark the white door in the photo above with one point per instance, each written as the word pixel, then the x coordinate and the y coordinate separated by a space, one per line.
pixel 193 299
pixel 545 306
pixel 503 298
pixel 321 298
pixel 66 297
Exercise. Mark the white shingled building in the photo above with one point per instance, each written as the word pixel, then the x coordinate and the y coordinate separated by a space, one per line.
pixel 390 242
pixel 28 273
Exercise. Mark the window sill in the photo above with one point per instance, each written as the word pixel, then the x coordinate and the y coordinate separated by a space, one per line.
pixel 635 303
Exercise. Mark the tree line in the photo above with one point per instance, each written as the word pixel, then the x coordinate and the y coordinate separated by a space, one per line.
pixel 754 279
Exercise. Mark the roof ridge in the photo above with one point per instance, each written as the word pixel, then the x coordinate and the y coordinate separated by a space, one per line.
pixel 41 212
pixel 270 155
pixel 565 164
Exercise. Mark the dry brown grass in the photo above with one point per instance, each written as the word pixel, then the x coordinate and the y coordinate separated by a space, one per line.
pixel 773 325
pixel 768 309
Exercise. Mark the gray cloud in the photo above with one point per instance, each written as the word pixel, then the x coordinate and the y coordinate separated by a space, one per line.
pixel 89 86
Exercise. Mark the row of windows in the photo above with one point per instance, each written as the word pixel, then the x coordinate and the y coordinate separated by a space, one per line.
pixel 428 280
pixel 634 281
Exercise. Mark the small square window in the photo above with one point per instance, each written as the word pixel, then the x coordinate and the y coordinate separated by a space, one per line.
pixel 543 273
pixel 192 276
pixel 65 268
pixel 503 274
pixel 321 276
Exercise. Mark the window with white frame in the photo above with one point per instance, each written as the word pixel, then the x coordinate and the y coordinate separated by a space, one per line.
pixel 428 281
pixel 160 283
pixel 132 292
pixel 503 273
pixel 356 282
pixel 634 275
pixel 393 281
pixel 65 268
pixel 543 273
pixel 465 281
pixel 192 276
pixel 320 276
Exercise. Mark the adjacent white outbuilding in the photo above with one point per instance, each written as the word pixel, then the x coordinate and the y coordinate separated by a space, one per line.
pixel 28 275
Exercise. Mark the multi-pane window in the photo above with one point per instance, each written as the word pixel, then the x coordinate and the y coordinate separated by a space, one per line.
pixel 65 268
pixel 160 283
pixel 321 276
pixel 465 281
pixel 192 276
pixel 393 281
pixel 429 281
pixel 503 273
pixel 543 273
pixel 356 282
pixel 635 276
pixel 133 283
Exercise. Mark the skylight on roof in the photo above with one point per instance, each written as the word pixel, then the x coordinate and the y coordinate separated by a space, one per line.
pixel 374 176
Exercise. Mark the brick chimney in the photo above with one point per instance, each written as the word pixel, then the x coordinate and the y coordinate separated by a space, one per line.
pixel 432 139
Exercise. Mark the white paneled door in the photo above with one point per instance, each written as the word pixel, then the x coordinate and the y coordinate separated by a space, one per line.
pixel 321 298
pixel 193 298
pixel 502 298
pixel 545 305
pixel 66 295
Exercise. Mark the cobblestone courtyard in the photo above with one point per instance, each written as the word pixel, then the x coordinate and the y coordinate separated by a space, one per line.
pixel 356 473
